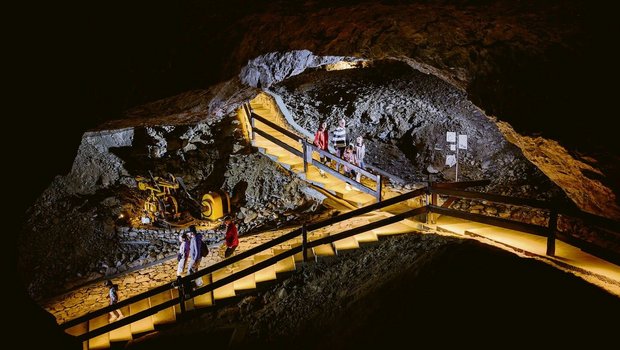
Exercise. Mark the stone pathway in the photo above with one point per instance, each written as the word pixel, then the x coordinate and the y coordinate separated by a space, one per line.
pixel 95 296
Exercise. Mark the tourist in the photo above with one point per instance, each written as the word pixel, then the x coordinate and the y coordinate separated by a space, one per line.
pixel 349 156
pixel 321 139
pixel 183 253
pixel 195 253
pixel 113 294
pixel 232 236
pixel 360 152
pixel 340 139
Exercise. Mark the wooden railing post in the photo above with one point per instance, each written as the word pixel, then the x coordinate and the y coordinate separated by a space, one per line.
pixel 181 287
pixel 304 241
pixel 379 187
pixel 252 124
pixel 426 199
pixel 553 225
pixel 307 155
pixel 433 202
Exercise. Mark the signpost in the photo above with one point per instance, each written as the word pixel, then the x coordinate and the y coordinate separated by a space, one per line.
pixel 456 142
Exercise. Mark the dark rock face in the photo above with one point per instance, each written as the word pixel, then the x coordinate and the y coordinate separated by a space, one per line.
pixel 404 115
pixel 262 72
pixel 75 231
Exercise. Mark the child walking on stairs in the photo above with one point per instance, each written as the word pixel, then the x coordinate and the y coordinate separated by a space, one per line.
pixel 113 294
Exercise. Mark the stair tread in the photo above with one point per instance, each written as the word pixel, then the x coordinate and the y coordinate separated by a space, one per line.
pixel 394 229
pixel 122 333
pixel 101 341
pixel 164 316
pixel 227 291
pixel 324 250
pixel 247 282
pixel 266 274
pixel 366 237
pixel 286 264
pixel 346 244
pixel 206 299
pixel 78 329
pixel 145 324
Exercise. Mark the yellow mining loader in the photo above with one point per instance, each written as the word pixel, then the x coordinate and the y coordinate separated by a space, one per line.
pixel 215 205
pixel 161 203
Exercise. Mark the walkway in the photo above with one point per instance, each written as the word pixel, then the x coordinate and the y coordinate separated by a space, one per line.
pixel 567 257
pixel 94 296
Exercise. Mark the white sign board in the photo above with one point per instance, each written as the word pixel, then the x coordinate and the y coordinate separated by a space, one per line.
pixel 450 160
pixel 451 136
pixel 462 141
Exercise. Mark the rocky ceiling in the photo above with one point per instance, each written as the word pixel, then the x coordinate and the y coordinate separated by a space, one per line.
pixel 540 66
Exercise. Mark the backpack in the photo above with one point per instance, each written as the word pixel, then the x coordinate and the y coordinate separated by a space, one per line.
pixel 204 249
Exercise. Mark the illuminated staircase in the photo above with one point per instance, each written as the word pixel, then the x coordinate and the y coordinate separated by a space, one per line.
pixel 268 110
pixel 280 269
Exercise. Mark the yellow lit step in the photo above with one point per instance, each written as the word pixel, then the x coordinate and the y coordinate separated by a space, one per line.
pixel 366 237
pixel 78 329
pixel 206 299
pixel 266 274
pixel 145 324
pixel 324 250
pixel 459 228
pixel 346 244
pixel 247 282
pixel 164 316
pixel 284 265
pixel 123 333
pixel 396 228
pixel 227 291
pixel 101 341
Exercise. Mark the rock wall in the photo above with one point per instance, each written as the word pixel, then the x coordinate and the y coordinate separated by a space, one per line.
pixel 76 230
pixel 404 115
pixel 274 67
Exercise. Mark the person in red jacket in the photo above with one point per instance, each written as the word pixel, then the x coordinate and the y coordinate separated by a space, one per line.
pixel 232 236
pixel 321 141
pixel 321 137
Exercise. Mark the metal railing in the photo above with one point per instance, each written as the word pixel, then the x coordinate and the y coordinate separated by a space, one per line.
pixel 306 153
pixel 432 190
pixel 550 230
pixel 300 232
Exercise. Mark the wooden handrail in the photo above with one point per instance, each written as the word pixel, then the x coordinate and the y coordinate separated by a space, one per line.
pixel 238 257
pixel 342 162
pixel 491 220
pixel 460 184
pixel 491 197
pixel 128 319
pixel 278 142
pixel 368 227
pixel 312 148
pixel 510 224
pixel 277 127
